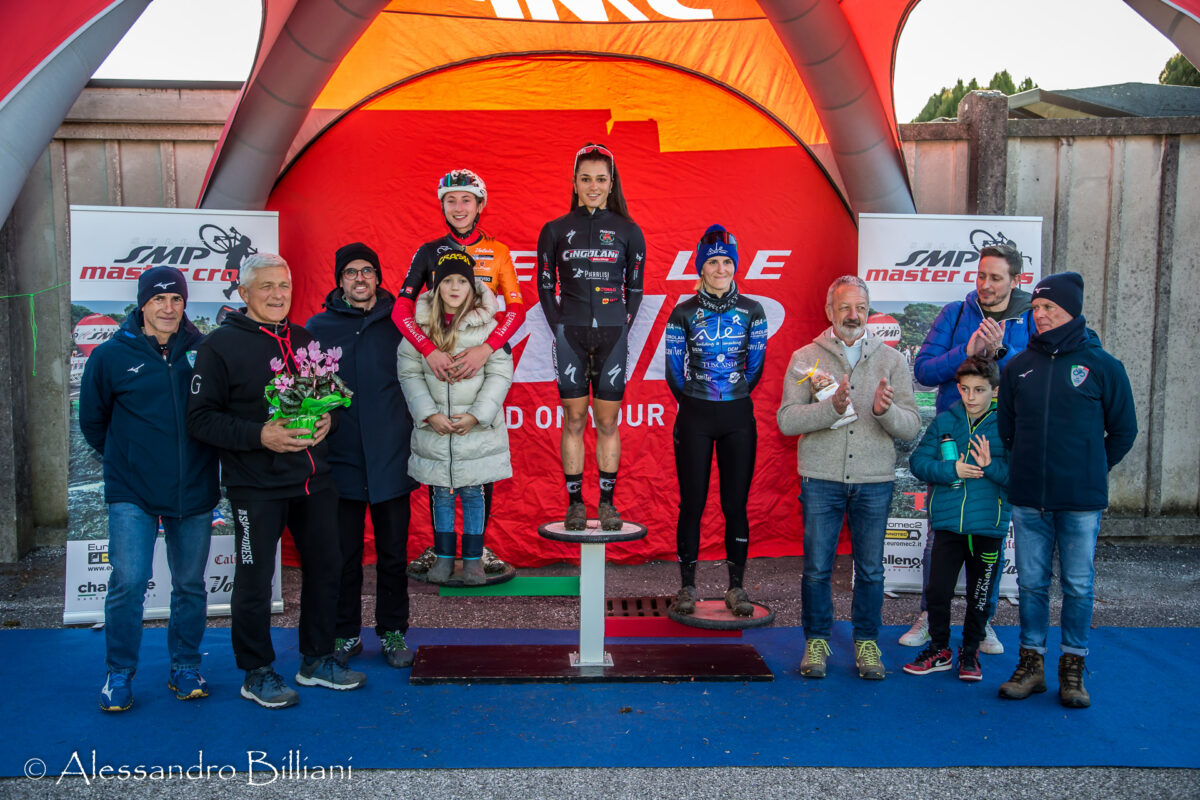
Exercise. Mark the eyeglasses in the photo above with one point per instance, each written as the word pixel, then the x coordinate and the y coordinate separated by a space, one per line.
pixel 352 274
pixel 594 148
pixel 724 237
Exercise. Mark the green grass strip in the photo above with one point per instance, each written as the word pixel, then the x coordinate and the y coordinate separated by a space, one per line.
pixel 520 586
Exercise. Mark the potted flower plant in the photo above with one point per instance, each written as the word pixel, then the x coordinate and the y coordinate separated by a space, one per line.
pixel 301 397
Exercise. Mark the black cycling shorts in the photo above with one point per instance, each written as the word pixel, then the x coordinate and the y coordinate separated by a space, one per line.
pixel 590 357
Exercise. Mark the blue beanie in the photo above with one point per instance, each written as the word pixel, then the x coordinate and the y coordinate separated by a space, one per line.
pixel 713 246
pixel 160 280
pixel 1064 290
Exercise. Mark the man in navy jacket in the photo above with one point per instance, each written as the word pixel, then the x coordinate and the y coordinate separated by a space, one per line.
pixel 368 453
pixel 1066 414
pixel 993 322
pixel 133 411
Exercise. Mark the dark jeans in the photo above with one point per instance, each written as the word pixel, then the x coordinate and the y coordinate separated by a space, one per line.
pixel 390 520
pixel 312 519
pixel 700 428
pixel 951 550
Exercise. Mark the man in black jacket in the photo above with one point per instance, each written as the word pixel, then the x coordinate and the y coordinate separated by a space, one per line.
pixel 132 405
pixel 1066 414
pixel 368 453
pixel 274 476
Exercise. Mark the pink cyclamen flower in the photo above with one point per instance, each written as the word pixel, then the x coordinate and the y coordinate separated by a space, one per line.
pixel 276 365
pixel 314 350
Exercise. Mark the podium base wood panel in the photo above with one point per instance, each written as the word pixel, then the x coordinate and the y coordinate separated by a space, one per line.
pixel 551 663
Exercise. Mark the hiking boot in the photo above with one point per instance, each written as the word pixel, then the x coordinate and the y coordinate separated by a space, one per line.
pixel 441 571
pixel 1071 692
pixel 610 518
pixel 187 683
pixel 931 659
pixel 738 602
pixel 344 648
pixel 472 573
pixel 1028 678
pixel 685 601
pixel 815 653
pixel 869 660
pixel 422 563
pixel 918 634
pixel 266 687
pixel 576 519
pixel 117 694
pixel 968 665
pixel 991 643
pixel 396 650
pixel 328 672
pixel 492 565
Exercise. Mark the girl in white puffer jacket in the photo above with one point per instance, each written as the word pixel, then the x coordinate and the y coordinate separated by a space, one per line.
pixel 459 441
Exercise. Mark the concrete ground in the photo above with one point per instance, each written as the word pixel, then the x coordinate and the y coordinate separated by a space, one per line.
pixel 1138 583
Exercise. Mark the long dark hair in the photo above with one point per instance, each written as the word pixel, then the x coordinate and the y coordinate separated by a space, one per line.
pixel 616 197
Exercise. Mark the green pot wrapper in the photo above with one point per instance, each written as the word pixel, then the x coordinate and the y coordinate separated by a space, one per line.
pixel 307 413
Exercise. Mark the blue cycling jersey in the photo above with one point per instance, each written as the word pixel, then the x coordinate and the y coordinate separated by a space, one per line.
pixel 716 346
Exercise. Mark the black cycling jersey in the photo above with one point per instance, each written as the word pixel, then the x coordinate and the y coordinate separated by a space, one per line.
pixel 593 262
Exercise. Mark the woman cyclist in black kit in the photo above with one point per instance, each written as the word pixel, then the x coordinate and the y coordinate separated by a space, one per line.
pixel 590 267
pixel 716 345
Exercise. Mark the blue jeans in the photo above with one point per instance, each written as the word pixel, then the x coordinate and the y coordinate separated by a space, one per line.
pixel 1036 534
pixel 825 504
pixel 993 593
pixel 473 519
pixel 131 536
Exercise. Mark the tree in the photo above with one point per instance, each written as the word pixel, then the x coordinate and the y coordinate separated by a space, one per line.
pixel 945 102
pixel 1179 72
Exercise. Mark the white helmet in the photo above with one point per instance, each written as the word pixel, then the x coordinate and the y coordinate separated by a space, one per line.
pixel 463 180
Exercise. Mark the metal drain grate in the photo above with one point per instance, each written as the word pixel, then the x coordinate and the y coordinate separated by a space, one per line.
pixel 637 606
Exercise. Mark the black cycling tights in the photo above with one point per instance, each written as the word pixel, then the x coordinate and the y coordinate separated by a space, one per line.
pixel 729 427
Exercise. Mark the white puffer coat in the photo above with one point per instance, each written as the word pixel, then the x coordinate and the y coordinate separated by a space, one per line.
pixel 481 456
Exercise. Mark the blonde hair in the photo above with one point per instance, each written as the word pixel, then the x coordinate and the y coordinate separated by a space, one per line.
pixel 445 336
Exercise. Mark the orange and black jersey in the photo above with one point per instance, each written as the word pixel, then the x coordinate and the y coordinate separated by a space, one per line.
pixel 493 266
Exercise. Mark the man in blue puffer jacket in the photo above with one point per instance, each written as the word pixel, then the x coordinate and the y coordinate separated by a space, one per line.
pixel 1066 414
pixel 992 322
pixel 969 510
pixel 133 411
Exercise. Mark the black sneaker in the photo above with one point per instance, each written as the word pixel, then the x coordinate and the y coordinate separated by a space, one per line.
pixel 685 601
pixel 327 671
pixel 266 687
pixel 344 648
pixel 396 650
pixel 968 665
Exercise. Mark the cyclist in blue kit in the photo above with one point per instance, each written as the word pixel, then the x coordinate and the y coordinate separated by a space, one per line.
pixel 590 268
pixel 716 346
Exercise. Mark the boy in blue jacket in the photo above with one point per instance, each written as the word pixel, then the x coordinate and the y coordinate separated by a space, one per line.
pixel 969 515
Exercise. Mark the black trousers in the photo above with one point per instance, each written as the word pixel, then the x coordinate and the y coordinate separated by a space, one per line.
pixel 390 520
pixel 312 520
pixel 951 550
pixel 700 428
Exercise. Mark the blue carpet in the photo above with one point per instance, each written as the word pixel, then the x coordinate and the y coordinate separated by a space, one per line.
pixel 1143 716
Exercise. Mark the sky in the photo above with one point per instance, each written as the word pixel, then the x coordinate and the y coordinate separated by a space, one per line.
pixel 1061 44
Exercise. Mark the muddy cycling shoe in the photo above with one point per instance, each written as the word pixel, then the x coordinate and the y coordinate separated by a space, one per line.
pixel 576 519
pixel 737 601
pixel 422 563
pixel 610 518
pixel 491 563
pixel 685 601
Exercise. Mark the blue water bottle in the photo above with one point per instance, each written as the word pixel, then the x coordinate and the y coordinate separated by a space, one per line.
pixel 950 453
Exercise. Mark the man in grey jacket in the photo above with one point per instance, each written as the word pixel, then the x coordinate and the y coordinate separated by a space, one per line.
pixel 847 463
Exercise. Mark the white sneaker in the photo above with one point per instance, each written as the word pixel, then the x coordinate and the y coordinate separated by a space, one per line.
pixel 918 634
pixel 991 643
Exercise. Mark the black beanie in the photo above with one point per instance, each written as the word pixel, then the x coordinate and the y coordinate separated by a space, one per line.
pixel 1064 290
pixel 160 280
pixel 454 262
pixel 353 252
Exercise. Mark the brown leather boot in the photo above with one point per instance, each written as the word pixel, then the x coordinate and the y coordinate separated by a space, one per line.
pixel 1071 692
pixel 1028 678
